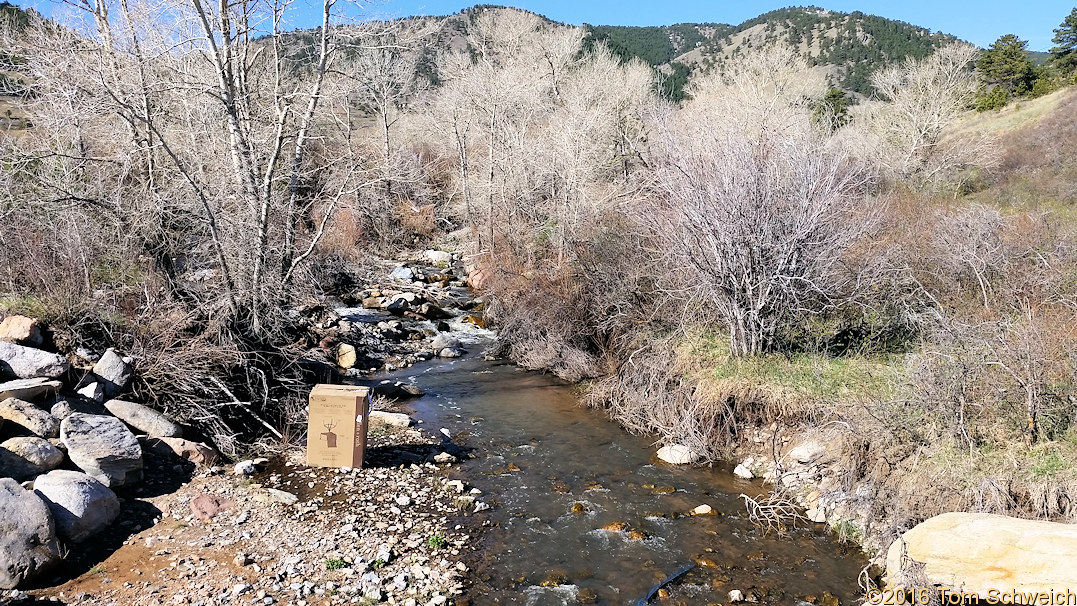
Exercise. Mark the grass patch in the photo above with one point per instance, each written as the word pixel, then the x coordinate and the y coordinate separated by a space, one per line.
pixel 437 541
pixel 335 563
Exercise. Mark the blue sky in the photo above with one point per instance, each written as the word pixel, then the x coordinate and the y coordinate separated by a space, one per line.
pixel 978 22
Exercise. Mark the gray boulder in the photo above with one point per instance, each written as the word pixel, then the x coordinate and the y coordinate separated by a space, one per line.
pixel 64 407
pixel 38 451
pixel 103 447
pixel 144 418
pixel 114 371
pixel 30 390
pixel 451 352
pixel 30 363
pixel 16 467
pixel 443 340
pixel 80 505
pixel 35 420
pixel 28 545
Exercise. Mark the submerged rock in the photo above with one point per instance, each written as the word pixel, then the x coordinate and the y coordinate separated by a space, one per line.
pixel 978 552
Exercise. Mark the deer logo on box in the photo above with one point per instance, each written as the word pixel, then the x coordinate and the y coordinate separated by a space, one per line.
pixel 332 441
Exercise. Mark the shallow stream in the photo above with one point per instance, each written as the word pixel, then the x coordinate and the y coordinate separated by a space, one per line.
pixel 557 473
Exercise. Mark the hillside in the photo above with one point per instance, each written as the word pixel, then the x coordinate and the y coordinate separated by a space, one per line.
pixel 850 46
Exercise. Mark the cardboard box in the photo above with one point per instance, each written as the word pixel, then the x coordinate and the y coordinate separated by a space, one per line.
pixel 337 424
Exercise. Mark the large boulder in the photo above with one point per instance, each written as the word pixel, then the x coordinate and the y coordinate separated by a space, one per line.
pixel 979 552
pixel 38 451
pixel 380 418
pixel 28 545
pixel 678 454
pixel 21 330
pixel 80 505
pixel 103 447
pixel 29 390
pixel 114 371
pixel 30 417
pixel 438 256
pixel 443 340
pixel 29 363
pixel 144 418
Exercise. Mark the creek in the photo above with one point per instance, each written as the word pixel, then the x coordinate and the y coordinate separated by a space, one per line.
pixel 557 474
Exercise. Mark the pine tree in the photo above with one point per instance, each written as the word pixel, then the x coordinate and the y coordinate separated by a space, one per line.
pixel 1006 64
pixel 1065 54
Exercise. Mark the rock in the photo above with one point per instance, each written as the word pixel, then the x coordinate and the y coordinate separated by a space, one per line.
pixel 21 330
pixel 28 545
pixel 205 506
pixel 438 256
pixel 402 272
pixel 80 505
pixel 17 467
pixel 114 371
pixel 451 352
pixel 38 451
pixel 433 312
pixel 94 391
pixel 736 596
pixel 65 407
pixel 678 454
pixel 30 363
pixel 807 452
pixel 244 468
pixel 144 418
pixel 703 510
pixel 743 472
pixel 444 458
pixel 816 515
pixel 978 552
pixel 411 390
pixel 29 390
pixel 373 302
pixel 380 418
pixel 272 495
pixel 443 340
pixel 30 417
pixel 195 452
pixel 398 305
pixel 103 447
pixel 346 356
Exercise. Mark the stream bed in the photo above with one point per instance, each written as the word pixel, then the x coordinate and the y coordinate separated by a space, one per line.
pixel 557 474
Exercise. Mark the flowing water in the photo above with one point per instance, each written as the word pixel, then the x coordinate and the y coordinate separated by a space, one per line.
pixel 557 473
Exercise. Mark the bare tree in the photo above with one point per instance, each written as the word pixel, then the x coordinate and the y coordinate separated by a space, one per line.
pixel 758 203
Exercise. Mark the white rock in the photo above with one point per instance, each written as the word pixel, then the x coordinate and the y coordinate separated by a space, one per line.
pixel 816 515
pixel 807 452
pixel 244 468
pixel 438 256
pixel 38 451
pixel 381 418
pixel 678 454
pixel 444 457
pixel 94 391
pixel 703 510
pixel 736 596
pixel 743 472
pixel 30 363
pixel 114 371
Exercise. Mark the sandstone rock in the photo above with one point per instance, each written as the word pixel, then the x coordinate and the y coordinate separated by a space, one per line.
pixel 443 340
pixel 373 302
pixel 29 390
pixel 21 330
pixel 816 515
pixel 678 454
pixel 114 371
pixel 28 545
pixel 103 447
pixel 438 256
pixel 38 451
pixel 346 356
pixel 977 552
pixel 380 418
pixel 32 418
pixel 807 452
pixel 205 506
pixel 29 363
pixel 17 467
pixel 703 510
pixel 743 472
pixel 80 505
pixel 144 418
pixel 195 452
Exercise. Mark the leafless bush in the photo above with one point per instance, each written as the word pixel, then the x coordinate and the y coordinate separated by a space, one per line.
pixel 773 513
